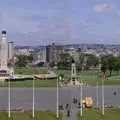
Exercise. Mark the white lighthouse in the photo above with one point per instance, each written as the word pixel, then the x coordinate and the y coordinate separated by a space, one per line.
pixel 3 53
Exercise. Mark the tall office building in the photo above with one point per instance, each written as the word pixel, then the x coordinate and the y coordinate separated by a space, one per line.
pixel 10 51
pixel 52 52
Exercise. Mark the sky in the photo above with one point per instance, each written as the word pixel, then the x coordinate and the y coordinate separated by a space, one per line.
pixel 40 22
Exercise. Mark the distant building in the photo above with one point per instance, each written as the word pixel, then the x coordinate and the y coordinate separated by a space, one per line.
pixel 74 53
pixel 40 56
pixel 52 52
pixel 10 50
pixel 24 51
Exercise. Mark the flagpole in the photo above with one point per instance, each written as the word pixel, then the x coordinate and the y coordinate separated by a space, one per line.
pixel 9 114
pixel 81 100
pixel 97 82
pixel 97 95
pixel 57 110
pixel 103 97
pixel 33 112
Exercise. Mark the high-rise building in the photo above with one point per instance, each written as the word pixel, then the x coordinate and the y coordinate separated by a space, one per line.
pixel 10 50
pixel 52 52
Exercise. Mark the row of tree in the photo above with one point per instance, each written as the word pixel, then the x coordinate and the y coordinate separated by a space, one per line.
pixel 85 62
pixel 110 63
pixel 23 60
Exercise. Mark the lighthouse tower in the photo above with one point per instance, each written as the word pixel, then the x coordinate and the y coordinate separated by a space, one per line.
pixel 3 54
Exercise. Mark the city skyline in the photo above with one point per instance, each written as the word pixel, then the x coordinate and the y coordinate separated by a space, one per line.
pixel 67 21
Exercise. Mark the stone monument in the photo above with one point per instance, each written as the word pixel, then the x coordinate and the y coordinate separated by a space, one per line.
pixel 3 55
pixel 6 57
pixel 74 80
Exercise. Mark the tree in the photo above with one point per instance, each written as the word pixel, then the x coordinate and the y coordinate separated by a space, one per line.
pixel 108 63
pixel 21 61
pixel 80 62
pixel 117 64
pixel 92 60
pixel 64 61
pixel 30 58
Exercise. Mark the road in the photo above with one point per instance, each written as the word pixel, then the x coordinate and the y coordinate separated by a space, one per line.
pixel 45 98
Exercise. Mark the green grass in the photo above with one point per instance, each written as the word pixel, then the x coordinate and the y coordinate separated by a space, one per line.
pixel 93 114
pixel 29 71
pixel 87 76
pixel 66 73
pixel 29 83
pixel 27 115
pixel 92 76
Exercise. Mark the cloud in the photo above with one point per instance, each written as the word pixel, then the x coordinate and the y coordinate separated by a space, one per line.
pixel 105 7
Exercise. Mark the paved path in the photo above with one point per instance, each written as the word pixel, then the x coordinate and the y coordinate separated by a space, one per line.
pixel 45 98
pixel 72 115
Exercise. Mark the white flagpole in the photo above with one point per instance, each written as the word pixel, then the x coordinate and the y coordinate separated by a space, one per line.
pixel 97 95
pixel 103 97
pixel 33 112
pixel 97 82
pixel 81 100
pixel 57 112
pixel 97 105
pixel 9 115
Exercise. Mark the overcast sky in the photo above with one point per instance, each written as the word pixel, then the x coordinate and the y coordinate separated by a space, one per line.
pixel 36 22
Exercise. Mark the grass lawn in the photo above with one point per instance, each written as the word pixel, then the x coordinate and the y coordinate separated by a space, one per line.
pixel 93 114
pixel 27 115
pixel 29 71
pixel 92 76
pixel 87 76
pixel 29 83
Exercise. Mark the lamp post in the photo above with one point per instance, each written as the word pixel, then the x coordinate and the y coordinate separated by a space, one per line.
pixel 102 87
pixel 9 107
pixel 33 112
pixel 81 112
pixel 103 112
pixel 97 104
pixel 57 103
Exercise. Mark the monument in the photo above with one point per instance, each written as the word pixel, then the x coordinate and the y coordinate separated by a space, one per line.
pixel 74 80
pixel 3 55
pixel 5 52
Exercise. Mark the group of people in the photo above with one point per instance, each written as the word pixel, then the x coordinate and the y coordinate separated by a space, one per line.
pixel 75 100
pixel 67 107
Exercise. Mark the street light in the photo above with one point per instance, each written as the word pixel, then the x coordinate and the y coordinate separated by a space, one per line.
pixel 57 103
pixel 102 96
pixel 97 104
pixel 81 112
pixel 33 112
pixel 102 88
pixel 9 107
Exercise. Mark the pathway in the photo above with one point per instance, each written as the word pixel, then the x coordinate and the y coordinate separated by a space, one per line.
pixel 73 113
pixel 72 116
